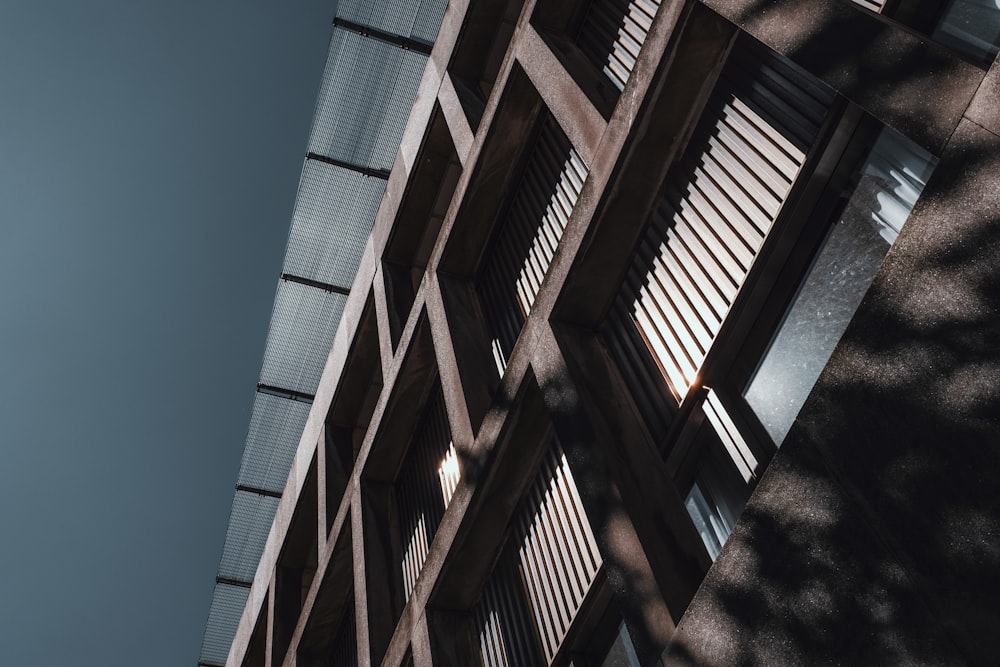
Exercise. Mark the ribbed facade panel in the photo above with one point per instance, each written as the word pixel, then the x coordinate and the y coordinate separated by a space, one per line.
pixel 418 20
pixel 303 324
pixel 365 99
pixel 333 213
pixel 249 523
pixel 275 428
pixel 223 617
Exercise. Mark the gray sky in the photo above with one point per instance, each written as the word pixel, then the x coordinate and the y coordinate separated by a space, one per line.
pixel 149 154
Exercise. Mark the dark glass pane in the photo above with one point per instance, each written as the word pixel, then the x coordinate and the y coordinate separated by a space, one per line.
pixel 889 184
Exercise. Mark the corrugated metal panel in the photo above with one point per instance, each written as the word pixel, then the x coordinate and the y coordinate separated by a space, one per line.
pixel 418 20
pixel 718 205
pixel 303 324
pixel 223 617
pixel 334 210
pixel 275 428
pixel 421 496
pixel 541 581
pixel 366 95
pixel 612 33
pixel 365 99
pixel 524 245
pixel 249 523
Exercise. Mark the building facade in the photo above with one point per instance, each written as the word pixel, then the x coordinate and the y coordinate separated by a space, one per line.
pixel 676 340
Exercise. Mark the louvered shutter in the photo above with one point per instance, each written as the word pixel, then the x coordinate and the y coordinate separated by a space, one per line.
pixel 427 480
pixel 612 33
pixel 540 582
pixel 524 245
pixel 717 207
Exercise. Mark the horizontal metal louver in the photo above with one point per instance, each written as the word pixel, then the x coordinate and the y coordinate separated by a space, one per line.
pixel 524 245
pixel 426 483
pixel 718 205
pixel 612 33
pixel 872 5
pixel 223 617
pixel 541 581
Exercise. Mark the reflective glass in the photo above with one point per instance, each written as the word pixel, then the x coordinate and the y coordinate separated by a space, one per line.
pixel 889 183
pixel 971 27
pixel 622 652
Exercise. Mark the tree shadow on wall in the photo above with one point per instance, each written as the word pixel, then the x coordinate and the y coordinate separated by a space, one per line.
pixel 874 537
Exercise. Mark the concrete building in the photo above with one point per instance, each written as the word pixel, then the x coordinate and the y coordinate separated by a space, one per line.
pixel 676 340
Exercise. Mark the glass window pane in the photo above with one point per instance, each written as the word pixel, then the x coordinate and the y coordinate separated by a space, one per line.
pixel 718 494
pixel 622 652
pixel 971 27
pixel 889 183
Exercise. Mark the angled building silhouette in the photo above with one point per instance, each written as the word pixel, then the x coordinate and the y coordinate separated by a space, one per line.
pixel 675 340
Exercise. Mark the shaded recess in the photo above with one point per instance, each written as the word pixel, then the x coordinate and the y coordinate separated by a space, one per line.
pixel 351 409
pixel 330 635
pixel 296 564
pixel 421 212
pixel 383 495
pixel 479 53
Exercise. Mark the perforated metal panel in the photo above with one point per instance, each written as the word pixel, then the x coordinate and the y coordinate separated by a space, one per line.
pixel 303 324
pixel 364 102
pixel 334 209
pixel 419 20
pixel 423 490
pixel 223 617
pixel 275 428
pixel 540 583
pixel 612 34
pixel 718 205
pixel 526 241
pixel 249 523
pixel 366 95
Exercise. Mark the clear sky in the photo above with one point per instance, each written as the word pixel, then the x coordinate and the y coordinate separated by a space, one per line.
pixel 149 155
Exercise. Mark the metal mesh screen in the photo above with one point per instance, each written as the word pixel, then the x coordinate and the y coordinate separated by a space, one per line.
pixel 333 214
pixel 417 20
pixel 223 617
pixel 249 523
pixel 365 99
pixel 303 324
pixel 275 428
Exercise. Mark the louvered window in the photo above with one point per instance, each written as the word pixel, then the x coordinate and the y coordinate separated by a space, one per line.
pixel 717 207
pixel 427 480
pixel 612 33
pixel 541 579
pixel 526 240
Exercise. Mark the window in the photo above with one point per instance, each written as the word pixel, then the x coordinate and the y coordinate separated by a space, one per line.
pixel 970 27
pixel 526 239
pixel 768 233
pixel 889 182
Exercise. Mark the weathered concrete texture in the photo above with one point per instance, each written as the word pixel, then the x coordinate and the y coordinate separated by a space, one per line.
pixel 874 538
pixel 985 107
pixel 907 82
